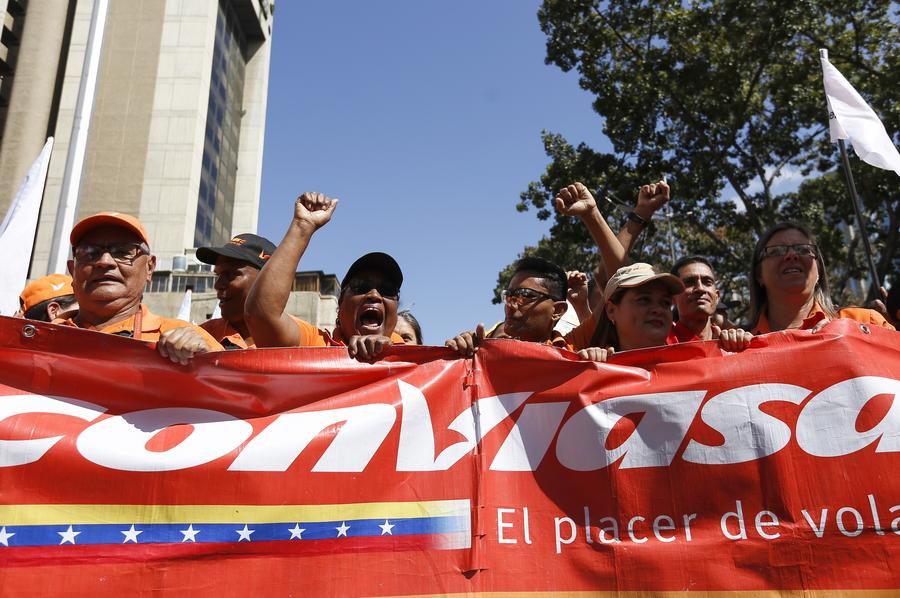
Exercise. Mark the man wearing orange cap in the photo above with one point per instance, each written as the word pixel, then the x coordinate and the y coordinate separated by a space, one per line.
pixel 110 266
pixel 48 298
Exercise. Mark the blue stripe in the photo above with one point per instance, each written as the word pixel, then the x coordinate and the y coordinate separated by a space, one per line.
pixel 93 534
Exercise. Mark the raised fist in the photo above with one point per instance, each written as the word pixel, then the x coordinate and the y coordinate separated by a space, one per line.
pixel 575 200
pixel 314 209
pixel 651 198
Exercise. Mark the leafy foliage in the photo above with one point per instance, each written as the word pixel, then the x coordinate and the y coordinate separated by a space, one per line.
pixel 723 97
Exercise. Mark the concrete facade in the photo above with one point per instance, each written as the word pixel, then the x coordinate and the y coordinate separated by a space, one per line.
pixel 149 127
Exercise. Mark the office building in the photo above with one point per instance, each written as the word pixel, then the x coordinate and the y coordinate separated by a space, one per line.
pixel 176 135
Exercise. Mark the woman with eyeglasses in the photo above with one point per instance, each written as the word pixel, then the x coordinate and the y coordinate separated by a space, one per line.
pixel 789 284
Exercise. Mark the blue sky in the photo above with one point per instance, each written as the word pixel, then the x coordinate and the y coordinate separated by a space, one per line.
pixel 424 118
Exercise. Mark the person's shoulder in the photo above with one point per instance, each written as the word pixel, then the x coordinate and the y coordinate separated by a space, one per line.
pixel 311 336
pixel 865 316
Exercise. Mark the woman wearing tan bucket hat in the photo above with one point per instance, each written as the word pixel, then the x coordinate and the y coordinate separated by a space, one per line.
pixel 638 314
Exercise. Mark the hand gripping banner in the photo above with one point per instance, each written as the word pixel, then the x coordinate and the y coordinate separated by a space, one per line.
pixel 677 471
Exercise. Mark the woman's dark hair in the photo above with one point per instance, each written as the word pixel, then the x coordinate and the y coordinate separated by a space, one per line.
pixel 411 319
pixel 605 334
pixel 759 299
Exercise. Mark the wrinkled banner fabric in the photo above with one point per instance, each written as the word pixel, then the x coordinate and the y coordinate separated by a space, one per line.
pixel 300 471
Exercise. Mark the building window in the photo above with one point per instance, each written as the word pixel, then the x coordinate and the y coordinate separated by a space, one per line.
pixel 223 119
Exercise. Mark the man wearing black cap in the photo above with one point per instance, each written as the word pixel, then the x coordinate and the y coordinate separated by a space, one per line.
pixel 236 265
pixel 367 305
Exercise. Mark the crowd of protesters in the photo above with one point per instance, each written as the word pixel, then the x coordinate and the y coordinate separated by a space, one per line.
pixel 634 307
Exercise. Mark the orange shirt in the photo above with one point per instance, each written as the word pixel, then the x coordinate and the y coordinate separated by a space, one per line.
pixel 558 340
pixel 310 336
pixel 152 326
pixel 816 315
pixel 580 336
pixel 222 330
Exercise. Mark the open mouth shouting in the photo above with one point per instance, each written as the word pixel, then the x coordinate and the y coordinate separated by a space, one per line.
pixel 370 318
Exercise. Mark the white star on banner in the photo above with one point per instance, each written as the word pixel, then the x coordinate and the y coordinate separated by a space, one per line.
pixel 342 531
pixel 296 531
pixel 244 533
pixel 386 528
pixel 189 534
pixel 131 534
pixel 5 536
pixel 68 536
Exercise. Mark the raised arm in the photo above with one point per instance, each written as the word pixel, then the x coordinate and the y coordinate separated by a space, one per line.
pixel 651 197
pixel 264 311
pixel 576 200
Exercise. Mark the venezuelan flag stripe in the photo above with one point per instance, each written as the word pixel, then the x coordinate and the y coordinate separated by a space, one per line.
pixel 44 514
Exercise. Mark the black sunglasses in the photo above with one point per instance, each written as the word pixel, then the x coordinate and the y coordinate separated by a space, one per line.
pixel 385 288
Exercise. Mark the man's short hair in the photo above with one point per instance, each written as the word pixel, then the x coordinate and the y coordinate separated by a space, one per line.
pixel 553 276
pixel 38 311
pixel 691 259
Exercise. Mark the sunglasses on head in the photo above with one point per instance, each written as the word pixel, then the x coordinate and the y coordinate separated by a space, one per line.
pixel 122 253
pixel 385 288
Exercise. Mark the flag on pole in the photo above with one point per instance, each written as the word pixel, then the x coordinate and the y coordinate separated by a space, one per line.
pixel 17 232
pixel 850 117
pixel 184 312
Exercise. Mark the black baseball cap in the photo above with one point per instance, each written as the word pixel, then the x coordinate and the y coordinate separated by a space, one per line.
pixel 253 249
pixel 376 261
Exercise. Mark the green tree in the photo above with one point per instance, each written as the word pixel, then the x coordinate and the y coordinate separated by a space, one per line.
pixel 723 97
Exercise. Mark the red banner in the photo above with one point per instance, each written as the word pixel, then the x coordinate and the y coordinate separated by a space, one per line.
pixel 299 471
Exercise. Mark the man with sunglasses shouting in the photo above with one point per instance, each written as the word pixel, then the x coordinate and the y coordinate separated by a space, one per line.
pixel 111 265
pixel 367 304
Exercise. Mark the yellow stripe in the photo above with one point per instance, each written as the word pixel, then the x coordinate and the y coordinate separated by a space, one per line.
pixel 86 514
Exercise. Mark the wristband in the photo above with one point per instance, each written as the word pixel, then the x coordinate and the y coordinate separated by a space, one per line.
pixel 635 218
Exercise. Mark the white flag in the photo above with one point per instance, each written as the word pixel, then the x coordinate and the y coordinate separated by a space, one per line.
pixel 184 312
pixel 17 232
pixel 850 117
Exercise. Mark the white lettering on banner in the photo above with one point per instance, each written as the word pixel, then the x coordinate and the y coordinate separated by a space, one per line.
pixel 749 432
pixel 21 452
pixel 654 442
pixel 528 441
pixel 416 451
pixel 826 427
pixel 276 447
pixel 120 442
pixel 827 424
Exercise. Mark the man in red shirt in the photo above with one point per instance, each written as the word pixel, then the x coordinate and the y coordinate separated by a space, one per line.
pixel 697 304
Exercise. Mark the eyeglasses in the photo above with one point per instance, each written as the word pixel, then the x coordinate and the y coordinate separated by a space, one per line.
pixel 385 288
pixel 524 296
pixel 802 250
pixel 122 253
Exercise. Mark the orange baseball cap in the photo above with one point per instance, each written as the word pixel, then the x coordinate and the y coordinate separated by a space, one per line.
pixel 126 221
pixel 45 288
